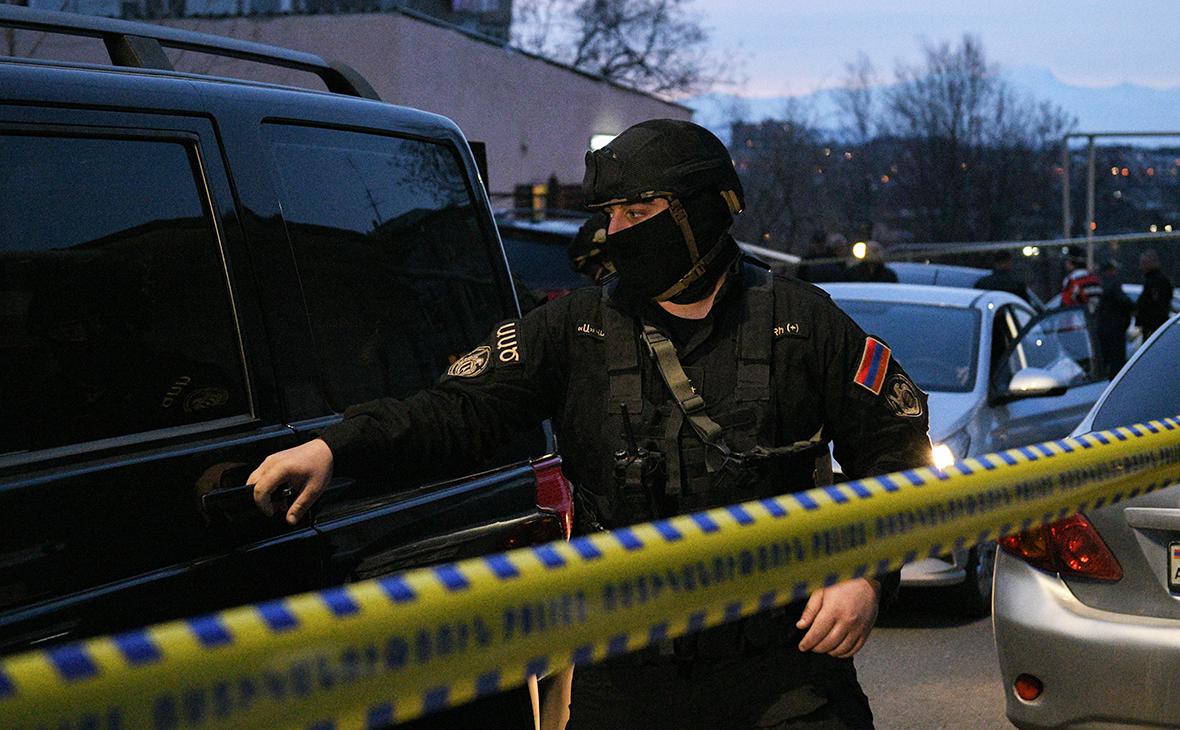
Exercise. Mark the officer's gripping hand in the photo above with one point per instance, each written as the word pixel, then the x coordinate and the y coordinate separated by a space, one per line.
pixel 839 618
pixel 307 469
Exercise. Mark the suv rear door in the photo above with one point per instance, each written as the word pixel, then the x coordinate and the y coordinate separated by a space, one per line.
pixel 133 378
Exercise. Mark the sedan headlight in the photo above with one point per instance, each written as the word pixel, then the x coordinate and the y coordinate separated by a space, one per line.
pixel 951 449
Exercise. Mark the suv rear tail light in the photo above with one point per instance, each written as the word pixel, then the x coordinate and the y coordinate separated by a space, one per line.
pixel 554 493
pixel 1071 547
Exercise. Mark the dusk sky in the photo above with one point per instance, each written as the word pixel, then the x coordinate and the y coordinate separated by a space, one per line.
pixel 793 47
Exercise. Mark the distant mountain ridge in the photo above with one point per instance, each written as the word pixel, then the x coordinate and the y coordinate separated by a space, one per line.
pixel 1121 108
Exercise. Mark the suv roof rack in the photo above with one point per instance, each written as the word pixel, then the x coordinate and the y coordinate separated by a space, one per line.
pixel 140 45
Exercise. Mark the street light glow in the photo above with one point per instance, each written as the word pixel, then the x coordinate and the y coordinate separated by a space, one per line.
pixel 598 141
pixel 859 249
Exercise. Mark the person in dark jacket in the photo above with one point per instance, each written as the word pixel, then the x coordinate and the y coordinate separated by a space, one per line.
pixel 1113 318
pixel 1155 302
pixel 766 370
pixel 1002 278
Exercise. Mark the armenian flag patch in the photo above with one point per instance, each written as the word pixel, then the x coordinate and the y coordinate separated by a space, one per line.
pixel 870 374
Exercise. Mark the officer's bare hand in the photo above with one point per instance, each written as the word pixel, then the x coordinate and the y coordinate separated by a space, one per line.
pixel 306 469
pixel 839 618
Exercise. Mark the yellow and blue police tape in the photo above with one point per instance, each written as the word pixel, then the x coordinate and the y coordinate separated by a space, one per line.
pixel 391 649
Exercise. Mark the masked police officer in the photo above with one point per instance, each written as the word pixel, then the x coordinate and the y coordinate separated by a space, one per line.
pixel 694 379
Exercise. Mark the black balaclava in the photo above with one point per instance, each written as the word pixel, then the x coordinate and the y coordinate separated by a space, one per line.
pixel 651 257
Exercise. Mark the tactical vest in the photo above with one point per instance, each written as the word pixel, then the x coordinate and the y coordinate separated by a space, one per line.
pixel 673 459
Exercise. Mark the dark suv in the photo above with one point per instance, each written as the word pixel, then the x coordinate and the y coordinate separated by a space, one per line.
pixel 196 272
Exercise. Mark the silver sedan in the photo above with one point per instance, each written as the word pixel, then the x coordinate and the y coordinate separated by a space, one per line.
pixel 1087 611
pixel 999 375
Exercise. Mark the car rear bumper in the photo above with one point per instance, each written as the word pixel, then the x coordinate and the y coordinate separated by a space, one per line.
pixel 1099 669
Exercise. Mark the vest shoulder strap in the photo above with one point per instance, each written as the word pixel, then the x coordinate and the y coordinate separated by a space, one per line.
pixel 622 358
pixel 756 336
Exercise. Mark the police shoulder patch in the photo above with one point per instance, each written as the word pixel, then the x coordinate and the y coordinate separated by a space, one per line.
pixel 508 350
pixel 473 364
pixel 902 396
pixel 874 363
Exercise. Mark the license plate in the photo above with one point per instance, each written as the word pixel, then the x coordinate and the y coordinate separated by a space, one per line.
pixel 1174 566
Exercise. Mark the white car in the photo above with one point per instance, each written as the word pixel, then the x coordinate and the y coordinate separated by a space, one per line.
pixel 1087 610
pixel 998 375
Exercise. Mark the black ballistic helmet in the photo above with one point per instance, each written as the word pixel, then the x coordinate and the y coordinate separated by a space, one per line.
pixel 686 164
pixel 661 158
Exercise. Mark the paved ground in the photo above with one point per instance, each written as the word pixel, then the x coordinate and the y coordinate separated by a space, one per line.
pixel 923 670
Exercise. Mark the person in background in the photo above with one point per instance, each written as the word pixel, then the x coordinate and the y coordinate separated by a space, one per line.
pixel 1079 287
pixel 829 251
pixel 1002 277
pixel 1155 302
pixel 873 268
pixel 1114 317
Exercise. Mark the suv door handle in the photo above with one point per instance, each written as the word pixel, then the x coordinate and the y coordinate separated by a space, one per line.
pixel 236 504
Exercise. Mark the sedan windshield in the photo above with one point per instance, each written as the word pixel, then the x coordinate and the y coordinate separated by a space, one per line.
pixel 936 345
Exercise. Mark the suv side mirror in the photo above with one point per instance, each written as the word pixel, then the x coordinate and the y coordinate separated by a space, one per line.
pixel 1032 383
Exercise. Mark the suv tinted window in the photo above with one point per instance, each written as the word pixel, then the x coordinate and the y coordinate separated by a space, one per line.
pixel 391 257
pixel 115 315
pixel 1144 393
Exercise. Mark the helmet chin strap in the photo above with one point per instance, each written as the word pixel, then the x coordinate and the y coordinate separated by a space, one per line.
pixel 700 263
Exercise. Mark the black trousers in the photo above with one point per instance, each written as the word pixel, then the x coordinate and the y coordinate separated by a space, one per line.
pixel 778 687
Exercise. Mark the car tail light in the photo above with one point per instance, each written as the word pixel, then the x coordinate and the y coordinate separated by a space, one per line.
pixel 1071 547
pixel 553 492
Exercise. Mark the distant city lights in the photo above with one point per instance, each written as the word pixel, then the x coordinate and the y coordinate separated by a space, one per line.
pixel 1031 251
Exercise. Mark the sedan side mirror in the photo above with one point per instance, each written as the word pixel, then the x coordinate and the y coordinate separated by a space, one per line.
pixel 1032 383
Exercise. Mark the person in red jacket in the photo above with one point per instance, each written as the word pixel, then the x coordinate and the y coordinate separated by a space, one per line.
pixel 1080 286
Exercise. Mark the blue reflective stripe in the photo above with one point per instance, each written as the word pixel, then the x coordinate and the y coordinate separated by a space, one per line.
pixel 6 686
pixel 766 600
pixel 277 615
pixel 859 489
pixel 913 478
pixel 883 566
pixel 586 548
pixel 739 514
pixel 1134 428
pixel 73 662
pixel 210 631
pixel 935 550
pixel 435 699
pixel 322 725
pixel 831 579
pixel 888 484
pixel 379 716
pixel 487 684
pixel 1119 435
pixel 1043 449
pixel 799 591
pixel 705 522
pixel 1064 444
pixel 657 633
pixel 396 588
pixel 1028 453
pixel 1008 458
pixel 582 656
pixel 1151 427
pixel 696 622
pixel 733 611
pixel 502 567
pixel 962 466
pixel 667 531
pixel 549 556
pixel 537 665
pixel 617 645
pixel 627 538
pixel 942 475
pixel 860 571
pixel 987 462
pixel 1100 437
pixel 910 557
pixel 1099 502
pixel 137 648
pixel 339 602
pixel 805 500
pixel 774 507
pixel 837 496
pixel 451 577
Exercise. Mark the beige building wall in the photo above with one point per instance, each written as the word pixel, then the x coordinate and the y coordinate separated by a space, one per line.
pixel 536 117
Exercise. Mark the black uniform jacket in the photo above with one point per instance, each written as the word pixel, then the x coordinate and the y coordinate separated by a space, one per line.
pixel 553 364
